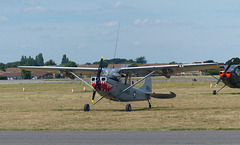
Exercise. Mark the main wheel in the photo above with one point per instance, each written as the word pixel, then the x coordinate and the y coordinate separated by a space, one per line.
pixel 128 107
pixel 150 106
pixel 214 92
pixel 86 107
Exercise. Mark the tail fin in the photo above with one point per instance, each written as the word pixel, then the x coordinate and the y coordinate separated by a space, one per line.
pixel 147 86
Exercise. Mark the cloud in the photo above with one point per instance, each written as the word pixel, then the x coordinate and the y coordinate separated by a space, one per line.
pixel 136 43
pixel 37 9
pixel 42 27
pixel 163 22
pixel 34 2
pixel 139 21
pixel 111 24
pixel 105 32
pixel 3 19
pixel 117 4
pixel 25 46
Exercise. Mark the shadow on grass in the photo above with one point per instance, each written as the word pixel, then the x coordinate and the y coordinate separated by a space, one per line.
pixel 222 93
pixel 67 109
pixel 119 110
pixel 150 109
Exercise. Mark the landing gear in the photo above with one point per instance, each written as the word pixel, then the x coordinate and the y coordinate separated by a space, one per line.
pixel 86 107
pixel 128 107
pixel 214 92
pixel 149 104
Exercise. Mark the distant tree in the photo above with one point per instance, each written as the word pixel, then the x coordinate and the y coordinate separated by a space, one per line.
pixel 88 63
pixel 236 61
pixel 12 64
pixel 50 62
pixel 117 61
pixel 71 64
pixel 173 62
pixel 213 72
pixel 26 74
pixel 58 76
pixel 131 61
pixel 141 60
pixel 209 61
pixel 39 59
pixel 2 66
pixel 28 61
pixel 65 60
pixel 105 63
pixel 134 65
pixel 3 77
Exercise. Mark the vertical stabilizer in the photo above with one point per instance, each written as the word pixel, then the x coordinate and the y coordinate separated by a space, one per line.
pixel 147 86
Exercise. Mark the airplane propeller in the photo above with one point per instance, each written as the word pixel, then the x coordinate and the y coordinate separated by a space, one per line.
pixel 225 71
pixel 98 78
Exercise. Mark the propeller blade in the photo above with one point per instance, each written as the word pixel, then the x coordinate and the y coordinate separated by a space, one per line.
pixel 94 93
pixel 98 78
pixel 225 71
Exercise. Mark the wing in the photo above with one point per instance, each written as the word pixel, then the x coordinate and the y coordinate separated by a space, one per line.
pixel 168 70
pixel 62 70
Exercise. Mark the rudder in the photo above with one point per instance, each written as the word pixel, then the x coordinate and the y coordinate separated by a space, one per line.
pixel 147 86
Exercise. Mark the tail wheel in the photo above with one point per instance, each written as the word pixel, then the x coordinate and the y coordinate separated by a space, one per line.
pixel 86 107
pixel 128 107
pixel 214 92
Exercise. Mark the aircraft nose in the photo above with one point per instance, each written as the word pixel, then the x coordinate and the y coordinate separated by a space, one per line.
pixel 227 75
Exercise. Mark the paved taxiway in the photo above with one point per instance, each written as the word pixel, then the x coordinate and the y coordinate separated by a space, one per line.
pixel 119 137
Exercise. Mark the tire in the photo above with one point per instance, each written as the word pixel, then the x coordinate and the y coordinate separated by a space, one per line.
pixel 86 107
pixel 128 107
pixel 214 92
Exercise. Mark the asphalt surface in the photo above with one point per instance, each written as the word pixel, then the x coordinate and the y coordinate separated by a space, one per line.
pixel 119 137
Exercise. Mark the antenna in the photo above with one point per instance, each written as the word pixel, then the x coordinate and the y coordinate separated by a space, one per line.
pixel 116 42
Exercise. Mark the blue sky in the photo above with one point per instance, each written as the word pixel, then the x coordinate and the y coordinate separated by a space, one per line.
pixel 162 31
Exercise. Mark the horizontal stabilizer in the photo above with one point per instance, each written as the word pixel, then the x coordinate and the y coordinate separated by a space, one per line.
pixel 162 95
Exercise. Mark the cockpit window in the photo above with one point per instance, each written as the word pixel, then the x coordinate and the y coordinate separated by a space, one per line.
pixel 111 72
pixel 114 78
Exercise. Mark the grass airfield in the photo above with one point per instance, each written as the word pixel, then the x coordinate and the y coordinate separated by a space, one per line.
pixel 55 107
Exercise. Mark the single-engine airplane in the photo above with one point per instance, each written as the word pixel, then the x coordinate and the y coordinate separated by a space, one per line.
pixel 230 76
pixel 115 83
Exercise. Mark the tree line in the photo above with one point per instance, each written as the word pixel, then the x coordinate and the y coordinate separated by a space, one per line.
pixel 39 61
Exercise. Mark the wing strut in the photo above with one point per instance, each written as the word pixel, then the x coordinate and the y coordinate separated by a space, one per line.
pixel 133 86
pixel 137 82
pixel 96 101
pixel 81 79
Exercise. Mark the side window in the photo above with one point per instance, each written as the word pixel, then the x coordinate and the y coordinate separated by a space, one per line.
pixel 238 71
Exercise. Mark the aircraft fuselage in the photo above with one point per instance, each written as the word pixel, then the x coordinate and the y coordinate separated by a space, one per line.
pixel 113 90
pixel 231 79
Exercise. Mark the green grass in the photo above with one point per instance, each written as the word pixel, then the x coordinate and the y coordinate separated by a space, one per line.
pixel 55 107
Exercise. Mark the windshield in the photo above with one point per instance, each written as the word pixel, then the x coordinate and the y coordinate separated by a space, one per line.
pixel 111 72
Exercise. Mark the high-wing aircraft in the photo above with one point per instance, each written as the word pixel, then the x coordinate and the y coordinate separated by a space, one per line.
pixel 115 83
pixel 230 76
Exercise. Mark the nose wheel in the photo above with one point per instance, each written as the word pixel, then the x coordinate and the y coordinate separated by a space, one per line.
pixel 86 107
pixel 214 92
pixel 128 107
